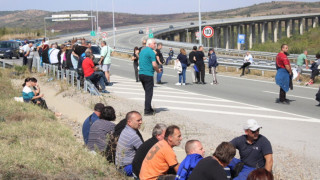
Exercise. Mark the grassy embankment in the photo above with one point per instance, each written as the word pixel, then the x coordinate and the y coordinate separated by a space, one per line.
pixel 297 44
pixel 19 33
pixel 35 145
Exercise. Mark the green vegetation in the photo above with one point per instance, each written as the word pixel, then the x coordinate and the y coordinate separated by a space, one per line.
pixel 35 145
pixel 297 44
pixel 19 32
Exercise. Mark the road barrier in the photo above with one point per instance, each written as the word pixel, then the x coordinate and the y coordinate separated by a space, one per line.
pixel 69 76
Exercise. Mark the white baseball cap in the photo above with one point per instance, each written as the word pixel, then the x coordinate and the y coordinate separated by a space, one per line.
pixel 252 125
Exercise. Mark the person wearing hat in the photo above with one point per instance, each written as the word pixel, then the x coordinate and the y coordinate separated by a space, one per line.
pixel 90 120
pixel 255 151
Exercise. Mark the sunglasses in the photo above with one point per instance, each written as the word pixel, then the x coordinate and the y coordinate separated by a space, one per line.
pixel 255 131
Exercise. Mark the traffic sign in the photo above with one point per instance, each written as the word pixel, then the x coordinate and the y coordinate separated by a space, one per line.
pixel 92 33
pixel 150 34
pixel 104 34
pixel 207 31
pixel 241 38
pixel 197 35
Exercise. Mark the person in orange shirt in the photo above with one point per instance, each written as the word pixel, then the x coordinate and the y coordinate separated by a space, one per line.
pixel 161 156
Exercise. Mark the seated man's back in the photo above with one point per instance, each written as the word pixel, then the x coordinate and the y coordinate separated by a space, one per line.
pixel 157 135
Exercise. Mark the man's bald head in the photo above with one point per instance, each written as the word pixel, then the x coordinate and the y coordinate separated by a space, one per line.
pixel 194 147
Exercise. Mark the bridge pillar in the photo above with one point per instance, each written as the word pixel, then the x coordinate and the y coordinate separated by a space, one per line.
pixel 263 32
pixel 182 36
pixel 293 26
pixel 232 37
pixel 275 31
pixel 193 36
pixel 306 24
pixel 301 26
pixel 219 37
pixel 280 29
pixel 226 35
pixel 171 36
pixel 314 22
pixel 259 32
pixel 251 34
pixel 215 37
pixel 266 30
pixel 239 31
pixel 288 28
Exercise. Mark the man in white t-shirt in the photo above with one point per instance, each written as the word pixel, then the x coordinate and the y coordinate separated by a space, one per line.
pixel 53 55
pixel 24 48
pixel 246 62
pixel 105 60
pixel 29 55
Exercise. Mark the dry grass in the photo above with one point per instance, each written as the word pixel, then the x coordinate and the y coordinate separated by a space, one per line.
pixel 35 145
pixel 19 36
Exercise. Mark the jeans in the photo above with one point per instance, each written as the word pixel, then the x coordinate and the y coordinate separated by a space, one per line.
pixel 74 61
pixel 168 59
pixel 25 60
pixel 182 75
pixel 159 75
pixel 201 73
pixel 136 71
pixel 243 67
pixel 243 173
pixel 98 76
pixel 193 73
pixel 214 77
pixel 30 62
pixel 282 95
pixel 147 83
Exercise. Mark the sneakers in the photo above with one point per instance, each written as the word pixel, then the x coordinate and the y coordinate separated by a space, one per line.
pixel 309 83
pixel 178 84
pixel 299 81
pixel 105 91
pixel 183 84
pixel 151 113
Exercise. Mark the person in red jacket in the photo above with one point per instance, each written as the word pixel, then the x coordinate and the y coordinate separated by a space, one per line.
pixel 91 74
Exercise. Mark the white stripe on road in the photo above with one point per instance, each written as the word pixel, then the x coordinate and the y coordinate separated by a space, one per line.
pixel 290 95
pixel 205 104
pixel 246 114
pixel 155 90
pixel 169 96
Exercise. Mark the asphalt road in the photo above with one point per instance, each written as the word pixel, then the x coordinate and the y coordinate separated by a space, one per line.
pixel 227 105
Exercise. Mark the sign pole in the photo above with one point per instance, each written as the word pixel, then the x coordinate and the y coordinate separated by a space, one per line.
pixel 200 36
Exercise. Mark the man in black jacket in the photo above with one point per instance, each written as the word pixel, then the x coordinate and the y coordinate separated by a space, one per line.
pixel 200 57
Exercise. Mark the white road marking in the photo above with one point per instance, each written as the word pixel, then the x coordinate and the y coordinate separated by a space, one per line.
pixel 247 114
pixel 205 104
pixel 290 95
pixel 170 75
pixel 170 96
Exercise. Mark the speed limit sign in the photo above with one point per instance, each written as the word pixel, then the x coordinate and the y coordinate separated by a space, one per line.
pixel 207 31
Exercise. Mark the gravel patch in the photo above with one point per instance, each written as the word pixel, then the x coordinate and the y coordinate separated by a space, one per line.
pixel 287 165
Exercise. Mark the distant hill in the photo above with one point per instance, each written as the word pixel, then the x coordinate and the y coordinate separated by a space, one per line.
pixel 33 19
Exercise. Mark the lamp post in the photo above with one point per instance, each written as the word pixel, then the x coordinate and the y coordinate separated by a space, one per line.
pixel 200 35
pixel 114 33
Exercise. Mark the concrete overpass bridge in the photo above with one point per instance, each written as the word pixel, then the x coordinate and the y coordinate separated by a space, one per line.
pixel 257 30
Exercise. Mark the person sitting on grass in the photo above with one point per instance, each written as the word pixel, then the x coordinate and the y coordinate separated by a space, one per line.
pixel 195 153
pixel 100 129
pixel 36 90
pixel 28 94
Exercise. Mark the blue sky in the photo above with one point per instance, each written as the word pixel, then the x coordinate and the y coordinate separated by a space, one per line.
pixel 130 6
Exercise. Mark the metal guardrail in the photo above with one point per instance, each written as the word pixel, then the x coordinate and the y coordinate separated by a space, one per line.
pixel 233 52
pixel 259 64
pixel 70 76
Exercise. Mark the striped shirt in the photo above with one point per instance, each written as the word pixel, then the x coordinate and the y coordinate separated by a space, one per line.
pixel 98 134
pixel 128 143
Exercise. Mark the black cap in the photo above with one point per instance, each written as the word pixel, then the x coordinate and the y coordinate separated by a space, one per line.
pixel 99 107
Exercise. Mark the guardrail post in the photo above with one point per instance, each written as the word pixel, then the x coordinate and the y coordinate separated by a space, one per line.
pixel 78 84
pixel 85 86
pixel 68 76
pixel 72 78
pixel 262 73
pixel 58 74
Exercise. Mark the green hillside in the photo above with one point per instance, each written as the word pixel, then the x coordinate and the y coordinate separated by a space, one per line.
pixel 297 44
